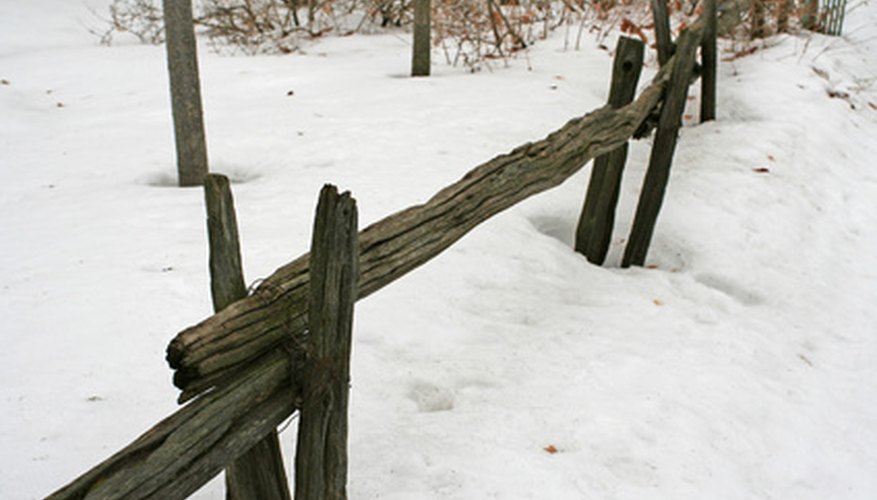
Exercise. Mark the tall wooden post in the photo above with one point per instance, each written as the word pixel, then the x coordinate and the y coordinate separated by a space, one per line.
pixel 321 451
pixel 420 58
pixel 658 173
pixel 709 56
pixel 662 31
pixel 594 230
pixel 259 472
pixel 182 62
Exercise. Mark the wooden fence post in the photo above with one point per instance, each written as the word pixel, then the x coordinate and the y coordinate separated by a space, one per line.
pixel 259 472
pixel 321 451
pixel 594 230
pixel 709 57
pixel 182 63
pixel 420 58
pixel 661 157
pixel 662 31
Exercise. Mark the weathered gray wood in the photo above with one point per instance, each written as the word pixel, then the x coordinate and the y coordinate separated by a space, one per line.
pixel 658 173
pixel 226 273
pixel 185 87
pixel 321 449
pixel 216 347
pixel 422 48
pixel 709 58
pixel 223 344
pixel 188 448
pixel 594 230
pixel 181 453
pixel 259 472
pixel 662 31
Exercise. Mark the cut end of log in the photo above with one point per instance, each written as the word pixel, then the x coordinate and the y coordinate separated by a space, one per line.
pixel 175 354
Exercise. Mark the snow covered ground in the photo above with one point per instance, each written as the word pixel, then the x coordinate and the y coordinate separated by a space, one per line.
pixel 742 364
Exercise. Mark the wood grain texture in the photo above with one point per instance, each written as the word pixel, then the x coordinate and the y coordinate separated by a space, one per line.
pixel 259 472
pixel 239 361
pixel 658 172
pixel 663 41
pixel 594 229
pixel 185 88
pixel 218 347
pixel 321 448
pixel 182 452
pixel 226 273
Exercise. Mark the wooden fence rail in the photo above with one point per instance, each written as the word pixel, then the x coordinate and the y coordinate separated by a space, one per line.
pixel 243 364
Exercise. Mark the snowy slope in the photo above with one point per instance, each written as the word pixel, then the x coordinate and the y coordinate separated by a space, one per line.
pixel 740 364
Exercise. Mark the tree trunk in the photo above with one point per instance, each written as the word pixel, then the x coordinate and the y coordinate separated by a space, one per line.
pixel 182 62
pixel 420 59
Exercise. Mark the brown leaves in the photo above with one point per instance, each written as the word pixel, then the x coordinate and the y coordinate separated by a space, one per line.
pixel 761 170
pixel 551 449
pixel 629 27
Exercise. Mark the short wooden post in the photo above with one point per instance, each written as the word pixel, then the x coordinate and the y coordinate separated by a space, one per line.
pixel 182 62
pixel 709 56
pixel 259 472
pixel 420 58
pixel 662 31
pixel 321 451
pixel 661 158
pixel 594 230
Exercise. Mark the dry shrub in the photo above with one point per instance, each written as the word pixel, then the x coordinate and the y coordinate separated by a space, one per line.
pixel 472 33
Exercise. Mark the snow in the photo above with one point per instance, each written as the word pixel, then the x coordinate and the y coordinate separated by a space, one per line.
pixel 738 365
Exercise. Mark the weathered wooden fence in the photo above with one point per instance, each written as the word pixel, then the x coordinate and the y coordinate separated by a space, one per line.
pixel 285 346
pixel 824 16
pixel 832 17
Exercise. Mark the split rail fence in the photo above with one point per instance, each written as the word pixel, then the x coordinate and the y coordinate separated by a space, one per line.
pixel 285 347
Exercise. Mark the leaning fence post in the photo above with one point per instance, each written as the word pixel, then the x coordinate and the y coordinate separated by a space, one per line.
pixel 594 230
pixel 321 450
pixel 658 173
pixel 259 472
pixel 709 58
pixel 662 31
